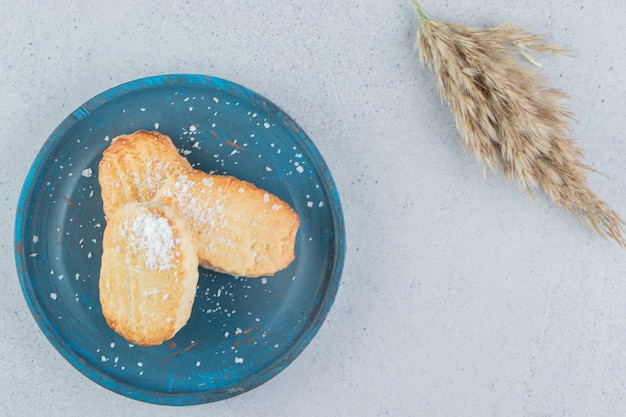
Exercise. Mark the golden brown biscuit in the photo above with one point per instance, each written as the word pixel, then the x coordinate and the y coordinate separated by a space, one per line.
pixel 149 273
pixel 135 166
pixel 238 228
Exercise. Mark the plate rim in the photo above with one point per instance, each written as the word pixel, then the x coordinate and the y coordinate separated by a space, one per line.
pixel 187 397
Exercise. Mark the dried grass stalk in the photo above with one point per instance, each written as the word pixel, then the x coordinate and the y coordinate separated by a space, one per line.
pixel 508 116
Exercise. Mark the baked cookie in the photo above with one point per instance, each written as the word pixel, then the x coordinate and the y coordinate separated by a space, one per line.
pixel 238 228
pixel 149 272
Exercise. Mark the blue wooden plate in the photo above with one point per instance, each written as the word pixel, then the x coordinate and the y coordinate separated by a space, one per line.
pixel 242 332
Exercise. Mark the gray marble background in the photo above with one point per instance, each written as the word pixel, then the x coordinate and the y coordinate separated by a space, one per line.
pixel 461 296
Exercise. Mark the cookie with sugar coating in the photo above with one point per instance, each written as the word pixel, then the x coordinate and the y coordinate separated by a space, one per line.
pixel 148 274
pixel 238 228
pixel 135 166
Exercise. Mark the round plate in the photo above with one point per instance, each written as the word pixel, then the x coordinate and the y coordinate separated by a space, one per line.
pixel 242 332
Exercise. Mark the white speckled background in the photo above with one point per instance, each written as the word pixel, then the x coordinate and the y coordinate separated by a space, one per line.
pixel 460 294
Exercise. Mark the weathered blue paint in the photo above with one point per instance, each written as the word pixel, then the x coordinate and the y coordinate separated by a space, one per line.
pixel 242 332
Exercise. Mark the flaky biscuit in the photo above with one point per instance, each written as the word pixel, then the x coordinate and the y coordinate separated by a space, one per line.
pixel 238 228
pixel 149 273
pixel 135 166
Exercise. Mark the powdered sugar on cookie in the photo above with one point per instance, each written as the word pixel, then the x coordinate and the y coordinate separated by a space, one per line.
pixel 152 235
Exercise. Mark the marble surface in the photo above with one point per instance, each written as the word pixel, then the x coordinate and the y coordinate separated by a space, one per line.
pixel 460 294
